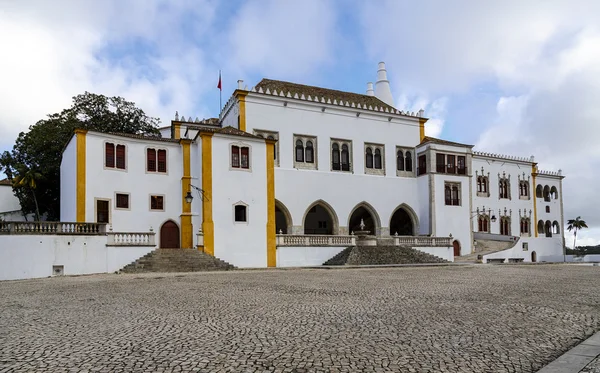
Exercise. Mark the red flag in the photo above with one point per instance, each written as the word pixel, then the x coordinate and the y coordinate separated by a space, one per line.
pixel 219 85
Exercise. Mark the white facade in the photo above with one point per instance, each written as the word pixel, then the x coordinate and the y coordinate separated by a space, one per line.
pixel 339 159
pixel 10 208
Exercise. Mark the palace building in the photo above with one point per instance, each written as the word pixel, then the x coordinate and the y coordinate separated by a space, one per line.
pixel 289 173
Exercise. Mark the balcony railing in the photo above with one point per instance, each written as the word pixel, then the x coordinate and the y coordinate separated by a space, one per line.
pixel 131 239
pixel 422 241
pixel 345 241
pixel 51 227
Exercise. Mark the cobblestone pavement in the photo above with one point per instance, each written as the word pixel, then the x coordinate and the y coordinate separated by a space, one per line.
pixel 593 367
pixel 428 319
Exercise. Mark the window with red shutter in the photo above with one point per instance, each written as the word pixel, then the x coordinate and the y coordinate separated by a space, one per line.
pixel 151 160
pixel 162 160
pixel 122 201
pixel 121 156
pixel 235 156
pixel 156 202
pixel 245 157
pixel 110 155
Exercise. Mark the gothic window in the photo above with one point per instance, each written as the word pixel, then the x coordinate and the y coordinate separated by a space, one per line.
pixel 539 191
pixel 548 228
pixel 482 186
pixel 524 189
pixel 114 156
pixel 452 194
pixel 305 152
pixel 377 159
pixel 369 158
pixel 554 192
pixel 156 160
pixel 341 155
pixel 555 227
pixel 409 162
pixel 525 223
pixel 483 223
pixel 505 225
pixel 547 193
pixel 240 157
pixel 504 188
pixel 400 160
pixel 270 135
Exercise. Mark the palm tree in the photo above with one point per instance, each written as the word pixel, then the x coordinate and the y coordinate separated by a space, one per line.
pixel 575 225
pixel 27 178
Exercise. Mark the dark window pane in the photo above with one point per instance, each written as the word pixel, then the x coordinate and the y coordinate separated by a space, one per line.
pixel 299 151
pixel 123 201
pixel 245 157
pixel 235 156
pixel 121 156
pixel 162 160
pixel 240 213
pixel 151 160
pixel 110 155
pixel 400 161
pixel 409 162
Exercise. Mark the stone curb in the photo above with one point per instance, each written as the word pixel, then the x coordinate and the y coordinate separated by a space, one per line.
pixel 577 358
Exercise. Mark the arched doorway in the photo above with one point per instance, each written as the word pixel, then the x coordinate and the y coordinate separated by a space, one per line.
pixel 283 219
pixel 456 246
pixel 402 223
pixel 320 220
pixel 169 235
pixel 367 215
pixel 533 257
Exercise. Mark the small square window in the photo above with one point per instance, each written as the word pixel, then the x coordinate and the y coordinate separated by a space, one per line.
pixel 122 201
pixel 525 246
pixel 240 213
pixel 548 209
pixel 157 202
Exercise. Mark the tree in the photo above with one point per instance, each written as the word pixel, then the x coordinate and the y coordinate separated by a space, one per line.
pixel 575 225
pixel 28 178
pixel 41 148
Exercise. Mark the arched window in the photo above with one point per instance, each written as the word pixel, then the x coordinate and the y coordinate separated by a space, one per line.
pixel 409 162
pixel 299 151
pixel 377 159
pixel 548 228
pixel 400 160
pixel 504 187
pixel 525 226
pixel 555 228
pixel 310 152
pixel 554 192
pixel 505 225
pixel 345 158
pixel 547 193
pixel 541 227
pixel 539 191
pixel 483 224
pixel 335 157
pixel 369 158
pixel 524 189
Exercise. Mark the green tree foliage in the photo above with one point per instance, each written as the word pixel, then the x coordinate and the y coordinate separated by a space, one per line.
pixel 37 153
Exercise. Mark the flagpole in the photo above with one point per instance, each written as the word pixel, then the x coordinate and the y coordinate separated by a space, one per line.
pixel 220 94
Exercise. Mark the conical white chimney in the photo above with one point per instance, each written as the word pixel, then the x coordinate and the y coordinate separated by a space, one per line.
pixel 382 86
pixel 370 91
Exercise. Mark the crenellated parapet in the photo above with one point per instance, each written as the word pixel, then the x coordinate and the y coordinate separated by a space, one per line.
pixel 504 157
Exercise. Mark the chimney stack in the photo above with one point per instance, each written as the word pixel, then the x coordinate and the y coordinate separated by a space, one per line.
pixel 382 86
pixel 370 91
pixel 240 84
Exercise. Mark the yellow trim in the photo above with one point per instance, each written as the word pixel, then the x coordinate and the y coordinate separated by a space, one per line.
pixel 271 238
pixel 241 95
pixel 422 128
pixel 535 221
pixel 207 218
pixel 177 131
pixel 81 169
pixel 187 230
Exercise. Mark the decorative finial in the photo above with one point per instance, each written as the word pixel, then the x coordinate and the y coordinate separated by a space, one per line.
pixel 362 225
pixel 280 231
pixel 176 115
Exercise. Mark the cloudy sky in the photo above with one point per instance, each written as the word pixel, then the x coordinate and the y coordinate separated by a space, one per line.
pixel 512 77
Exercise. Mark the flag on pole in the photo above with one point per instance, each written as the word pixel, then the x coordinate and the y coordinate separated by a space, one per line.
pixel 219 85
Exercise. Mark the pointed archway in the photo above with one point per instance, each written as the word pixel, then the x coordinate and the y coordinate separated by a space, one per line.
pixel 169 235
pixel 366 213
pixel 403 222
pixel 283 219
pixel 456 247
pixel 320 218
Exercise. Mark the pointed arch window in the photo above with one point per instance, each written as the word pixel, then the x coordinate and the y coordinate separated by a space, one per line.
pixel 270 135
pixel 504 188
pixel 377 159
pixel 505 225
pixel 452 194
pixel 400 160
pixel 305 152
pixel 525 226
pixel 374 159
pixel 408 162
pixel 369 158
pixel 335 157
pixel 309 152
pixel 483 223
pixel 341 154
pixel 299 151
pixel 345 158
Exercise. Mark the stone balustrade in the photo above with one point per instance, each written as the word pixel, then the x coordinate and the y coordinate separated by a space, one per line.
pixel 130 239
pixel 52 227
pixel 345 241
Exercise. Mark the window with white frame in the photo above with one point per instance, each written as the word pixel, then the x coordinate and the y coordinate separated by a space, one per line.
pixel 240 157
pixel 157 203
pixel 240 212
pixel 156 160
pixel 270 135
pixel 114 156
pixel 374 159
pixel 341 155
pixel 404 161
pixel 122 201
pixel 452 194
pixel 305 151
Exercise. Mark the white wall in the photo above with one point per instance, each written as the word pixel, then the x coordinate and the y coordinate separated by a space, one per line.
pixel 545 248
pixel 241 244
pixel 9 203
pixel 32 256
pixel 555 205
pixel 68 182
pixel 303 256
pixel 104 183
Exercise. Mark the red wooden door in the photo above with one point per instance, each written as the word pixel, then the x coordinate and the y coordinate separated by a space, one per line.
pixel 456 246
pixel 169 235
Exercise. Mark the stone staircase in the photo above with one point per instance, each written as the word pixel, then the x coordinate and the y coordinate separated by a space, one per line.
pixel 485 247
pixel 379 255
pixel 176 260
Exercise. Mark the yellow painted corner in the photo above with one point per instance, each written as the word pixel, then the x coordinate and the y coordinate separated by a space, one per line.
pixel 271 233
pixel 422 128
pixel 242 103
pixel 187 230
pixel 81 175
pixel 207 217
pixel 177 131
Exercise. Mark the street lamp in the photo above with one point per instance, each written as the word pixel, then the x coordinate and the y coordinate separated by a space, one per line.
pixel 489 212
pixel 188 197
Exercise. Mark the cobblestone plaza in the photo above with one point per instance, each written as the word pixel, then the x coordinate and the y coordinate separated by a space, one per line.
pixel 418 319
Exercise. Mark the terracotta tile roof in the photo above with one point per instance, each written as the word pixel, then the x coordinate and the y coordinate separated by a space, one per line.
pixel 143 137
pixel 326 93
pixel 230 131
pixel 433 140
pixel 5 182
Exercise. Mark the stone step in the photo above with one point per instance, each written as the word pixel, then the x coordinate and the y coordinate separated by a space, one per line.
pixel 176 260
pixel 485 247
pixel 380 254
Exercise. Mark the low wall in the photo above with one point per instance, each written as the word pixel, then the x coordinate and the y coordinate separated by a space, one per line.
pixel 33 256
pixel 547 249
pixel 304 256
pixel 446 253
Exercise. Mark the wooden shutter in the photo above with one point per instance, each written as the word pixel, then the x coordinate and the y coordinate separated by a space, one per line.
pixel 235 156
pixel 110 155
pixel 162 160
pixel 121 156
pixel 151 160
pixel 245 157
